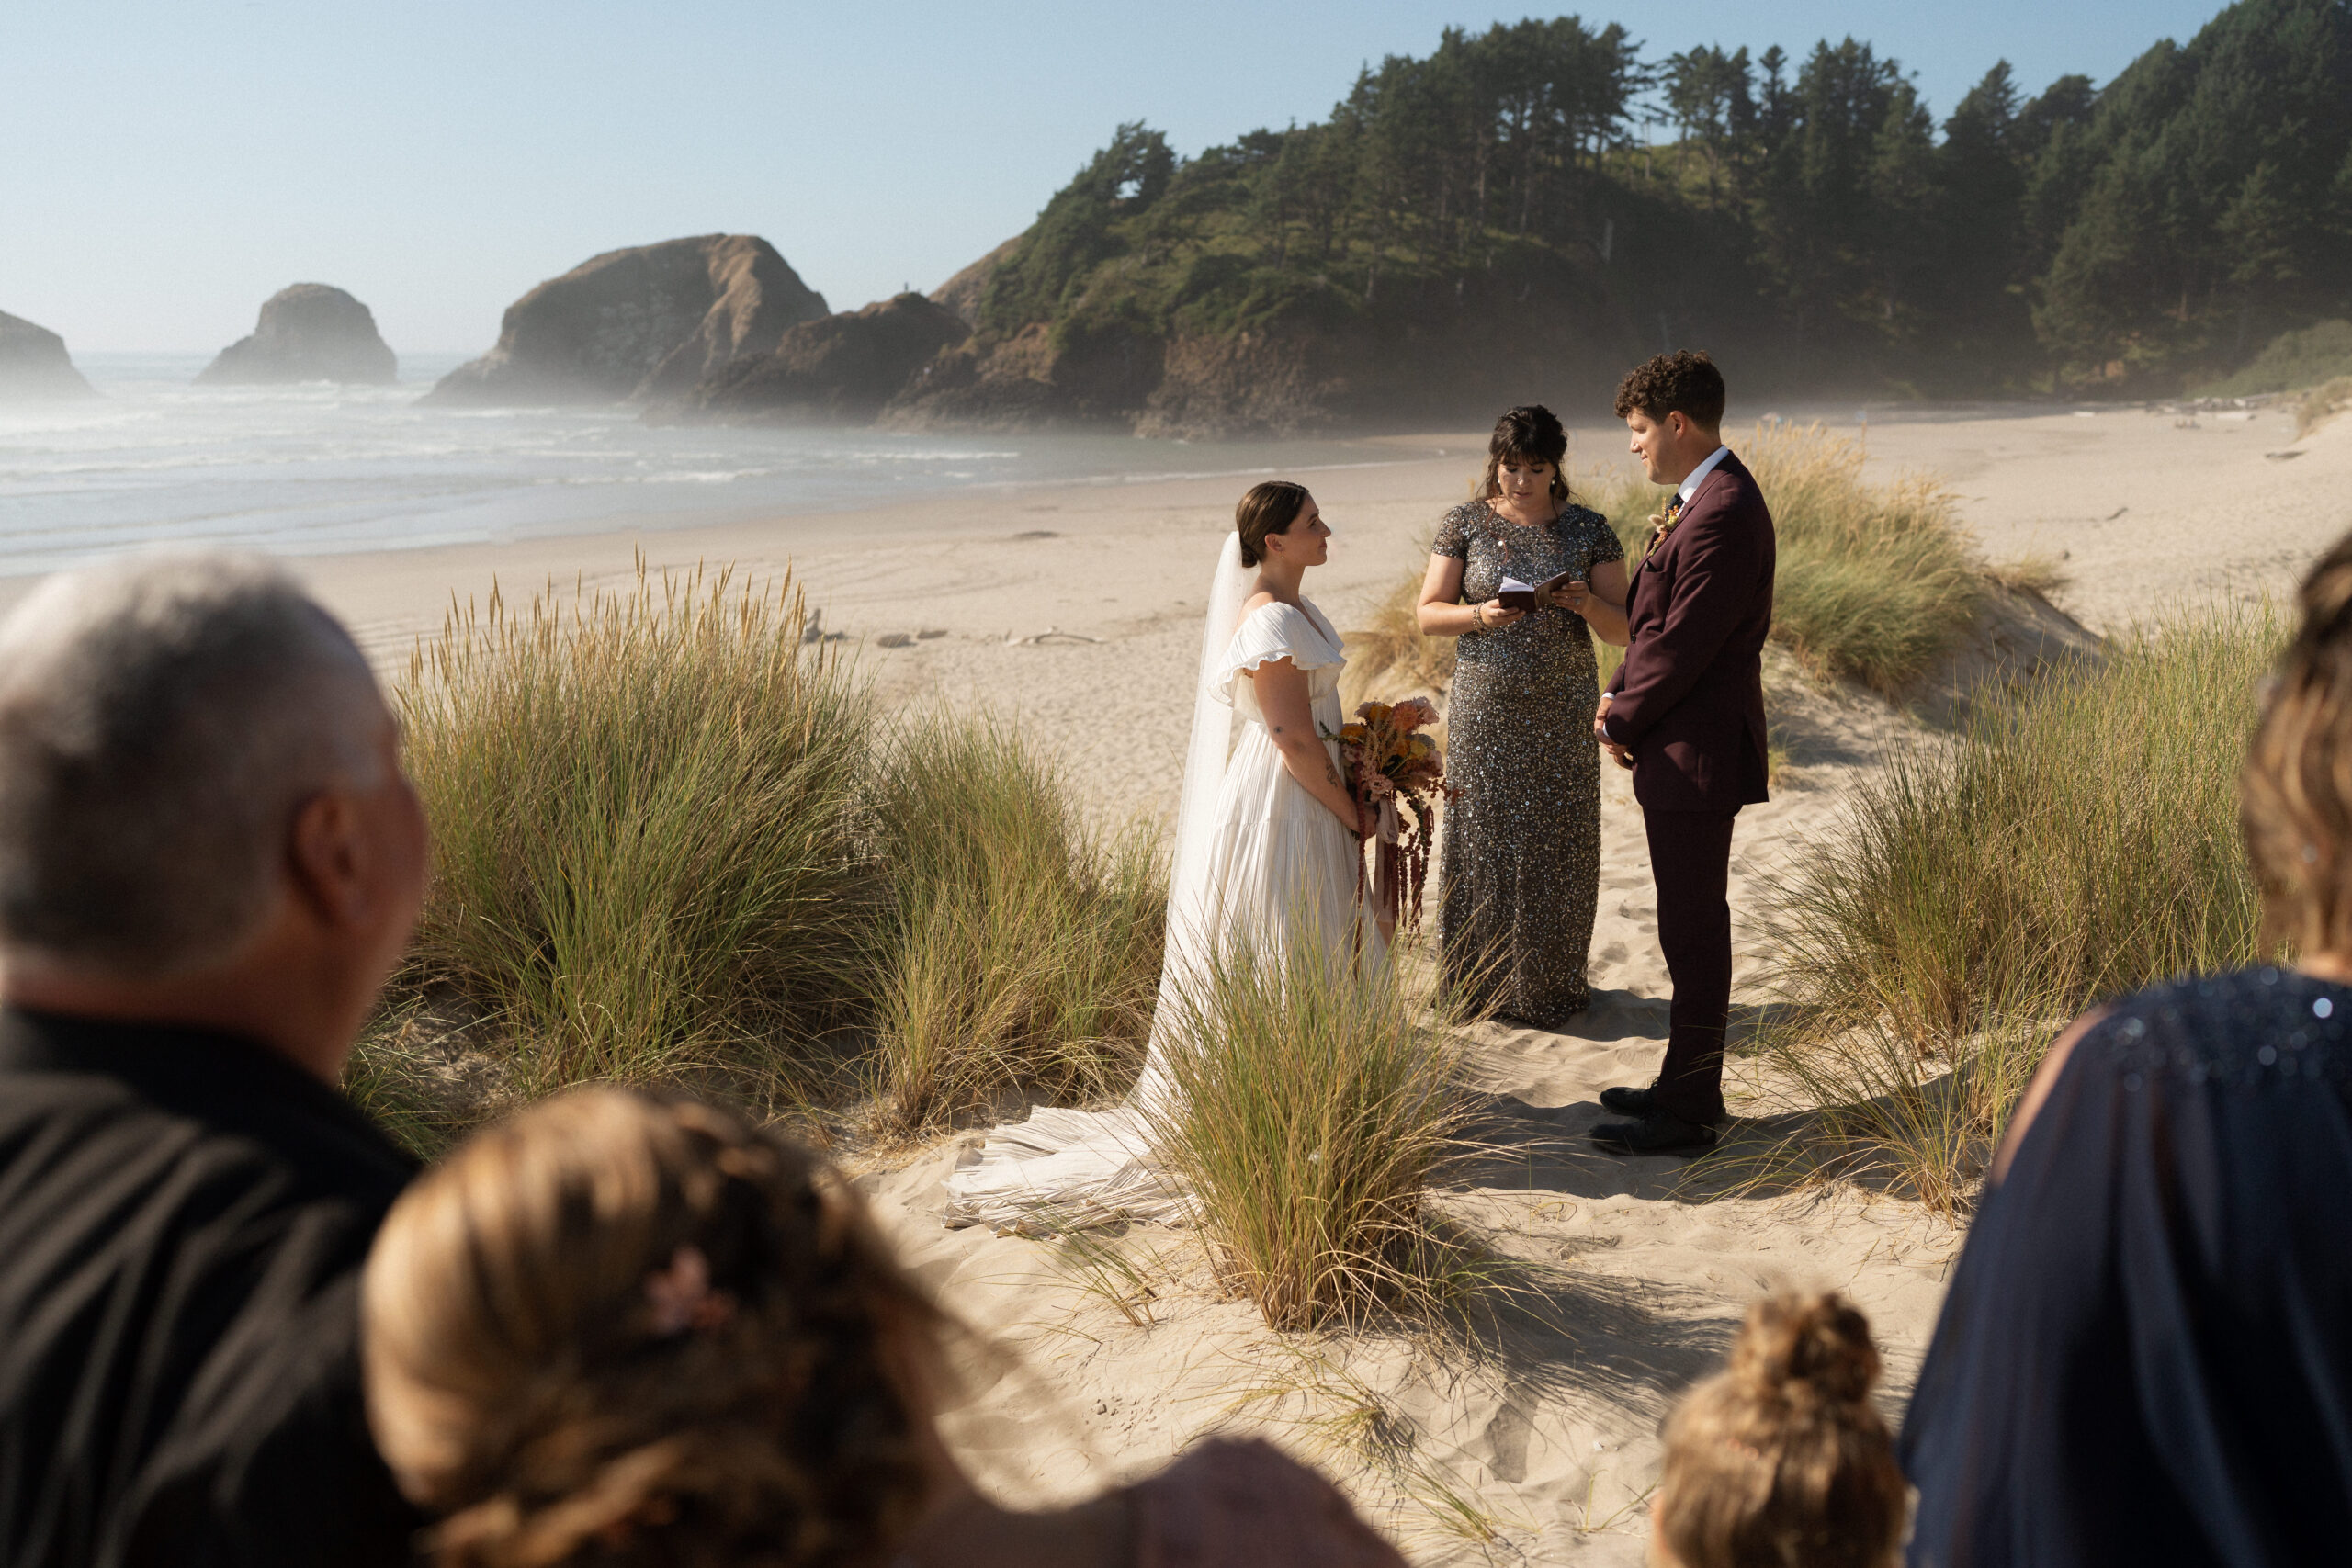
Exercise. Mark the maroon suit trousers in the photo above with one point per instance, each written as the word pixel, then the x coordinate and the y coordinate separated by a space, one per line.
pixel 1690 864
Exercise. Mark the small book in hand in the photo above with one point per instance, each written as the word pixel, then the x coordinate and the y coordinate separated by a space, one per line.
pixel 1518 595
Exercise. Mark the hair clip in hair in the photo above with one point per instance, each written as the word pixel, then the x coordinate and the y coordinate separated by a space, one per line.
pixel 682 1298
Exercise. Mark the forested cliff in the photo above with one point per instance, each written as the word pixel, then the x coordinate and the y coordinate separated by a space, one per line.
pixel 1540 204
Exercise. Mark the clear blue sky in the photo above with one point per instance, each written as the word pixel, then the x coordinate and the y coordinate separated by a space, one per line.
pixel 166 165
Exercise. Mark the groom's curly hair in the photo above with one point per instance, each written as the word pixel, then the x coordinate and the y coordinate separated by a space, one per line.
pixel 1681 382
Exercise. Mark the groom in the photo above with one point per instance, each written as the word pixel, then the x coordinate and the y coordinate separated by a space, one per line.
pixel 1686 713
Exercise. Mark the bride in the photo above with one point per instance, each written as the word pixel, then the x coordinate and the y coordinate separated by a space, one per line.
pixel 1268 844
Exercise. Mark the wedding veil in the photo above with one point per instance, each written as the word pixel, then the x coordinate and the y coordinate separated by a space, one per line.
pixel 1190 919
pixel 1065 1166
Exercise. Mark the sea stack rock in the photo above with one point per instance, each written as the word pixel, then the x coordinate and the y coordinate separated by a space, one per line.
pixel 841 370
pixel 34 365
pixel 308 332
pixel 646 323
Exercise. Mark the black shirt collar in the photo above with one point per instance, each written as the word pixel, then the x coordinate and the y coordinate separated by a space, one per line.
pixel 233 1084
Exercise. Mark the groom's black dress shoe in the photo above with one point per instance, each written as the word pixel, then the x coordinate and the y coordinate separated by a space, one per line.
pixel 1628 1101
pixel 1657 1133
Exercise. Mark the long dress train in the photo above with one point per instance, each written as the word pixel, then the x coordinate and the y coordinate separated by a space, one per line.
pixel 1265 858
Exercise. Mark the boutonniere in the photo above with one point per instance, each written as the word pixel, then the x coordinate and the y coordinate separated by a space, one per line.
pixel 1662 524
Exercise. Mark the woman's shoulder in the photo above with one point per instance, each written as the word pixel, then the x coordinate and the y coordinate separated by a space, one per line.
pixel 2236 1026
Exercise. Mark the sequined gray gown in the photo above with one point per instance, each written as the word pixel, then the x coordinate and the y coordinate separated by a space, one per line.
pixel 1520 871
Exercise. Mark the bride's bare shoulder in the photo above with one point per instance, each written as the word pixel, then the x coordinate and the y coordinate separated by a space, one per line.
pixel 1257 602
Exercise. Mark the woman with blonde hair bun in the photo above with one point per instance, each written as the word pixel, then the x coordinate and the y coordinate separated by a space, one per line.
pixel 2145 1354
pixel 1782 1460
pixel 620 1332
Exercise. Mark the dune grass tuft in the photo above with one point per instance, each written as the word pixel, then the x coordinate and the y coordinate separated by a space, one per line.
pixel 647 809
pixel 1874 582
pixel 1388 657
pixel 2321 404
pixel 675 845
pixel 2077 841
pixel 1312 1104
pixel 2292 361
pixel 1021 952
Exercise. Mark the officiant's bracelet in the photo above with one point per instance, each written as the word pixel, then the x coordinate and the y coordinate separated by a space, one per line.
pixel 1478 617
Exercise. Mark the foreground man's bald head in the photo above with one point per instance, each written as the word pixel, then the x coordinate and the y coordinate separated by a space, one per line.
pixel 210 861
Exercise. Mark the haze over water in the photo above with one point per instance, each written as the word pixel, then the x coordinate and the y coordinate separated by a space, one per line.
pixel 320 469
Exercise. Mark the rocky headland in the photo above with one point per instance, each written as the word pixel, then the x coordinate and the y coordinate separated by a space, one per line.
pixel 648 323
pixel 34 365
pixel 845 369
pixel 312 331
pixel 1131 304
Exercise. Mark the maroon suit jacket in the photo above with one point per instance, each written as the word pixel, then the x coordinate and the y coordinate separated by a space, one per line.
pixel 1688 700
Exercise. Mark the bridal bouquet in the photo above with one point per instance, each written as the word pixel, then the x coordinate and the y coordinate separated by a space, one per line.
pixel 1393 765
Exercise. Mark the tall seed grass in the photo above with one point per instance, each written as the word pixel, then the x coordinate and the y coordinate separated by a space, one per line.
pixel 1388 657
pixel 1021 951
pixel 2321 404
pixel 648 829
pixel 1312 1102
pixel 2075 841
pixel 1874 583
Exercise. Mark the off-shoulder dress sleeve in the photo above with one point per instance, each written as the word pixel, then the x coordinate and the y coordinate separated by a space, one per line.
pixel 1270 632
pixel 1453 536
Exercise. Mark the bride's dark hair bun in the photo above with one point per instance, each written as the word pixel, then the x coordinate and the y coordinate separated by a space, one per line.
pixel 1269 508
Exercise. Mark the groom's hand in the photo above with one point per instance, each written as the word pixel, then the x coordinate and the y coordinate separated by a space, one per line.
pixel 1623 758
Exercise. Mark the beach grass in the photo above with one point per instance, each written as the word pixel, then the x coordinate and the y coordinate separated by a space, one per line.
pixel 1312 1102
pixel 2292 361
pixel 1388 657
pixel 2321 404
pixel 1023 951
pixel 676 844
pixel 648 811
pixel 1874 583
pixel 2077 841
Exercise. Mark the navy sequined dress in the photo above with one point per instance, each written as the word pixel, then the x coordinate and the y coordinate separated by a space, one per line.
pixel 2145 1357
pixel 1520 871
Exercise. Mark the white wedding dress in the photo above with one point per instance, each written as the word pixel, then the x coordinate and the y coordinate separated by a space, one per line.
pixel 1255 853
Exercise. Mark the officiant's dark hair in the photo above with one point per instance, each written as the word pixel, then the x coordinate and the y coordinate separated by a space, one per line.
pixel 1269 508
pixel 1530 433
pixel 2295 791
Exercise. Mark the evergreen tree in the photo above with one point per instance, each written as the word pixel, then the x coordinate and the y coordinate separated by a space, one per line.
pixel 1810 214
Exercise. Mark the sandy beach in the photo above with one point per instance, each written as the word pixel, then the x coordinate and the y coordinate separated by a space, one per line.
pixel 1073 611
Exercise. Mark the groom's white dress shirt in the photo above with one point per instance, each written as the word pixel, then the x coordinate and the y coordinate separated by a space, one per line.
pixel 1697 476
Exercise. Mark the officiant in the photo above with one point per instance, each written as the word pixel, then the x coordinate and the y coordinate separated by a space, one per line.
pixel 1525 578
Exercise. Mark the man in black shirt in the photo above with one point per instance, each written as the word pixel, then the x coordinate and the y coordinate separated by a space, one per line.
pixel 210 861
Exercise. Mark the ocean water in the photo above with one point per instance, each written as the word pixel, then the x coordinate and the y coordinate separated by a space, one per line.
pixel 318 469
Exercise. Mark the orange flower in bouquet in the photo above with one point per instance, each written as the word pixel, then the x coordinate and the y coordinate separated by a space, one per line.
pixel 1393 765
